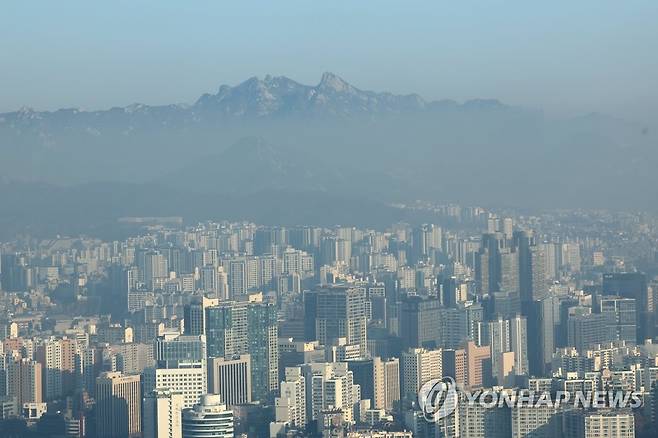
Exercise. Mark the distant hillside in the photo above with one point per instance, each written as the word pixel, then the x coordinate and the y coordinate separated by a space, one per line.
pixel 333 138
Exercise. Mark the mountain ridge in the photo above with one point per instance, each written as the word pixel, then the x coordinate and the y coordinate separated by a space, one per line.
pixel 335 138
pixel 330 86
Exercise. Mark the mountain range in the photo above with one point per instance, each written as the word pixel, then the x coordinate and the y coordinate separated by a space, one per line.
pixel 335 139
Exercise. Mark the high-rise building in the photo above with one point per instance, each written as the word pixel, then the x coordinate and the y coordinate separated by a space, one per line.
pixel 477 364
pixel 330 385
pixel 174 349
pixel 418 367
pixel 290 406
pixel 633 285
pixel 58 361
pixel 154 267
pixel 180 366
pixel 420 322
pixel 24 377
pixel 535 420
pixel 622 317
pixel 453 362
pixel 587 330
pixel 162 414
pixel 208 419
pixel 386 383
pixel 231 379
pixel 608 423
pixel 519 344
pixel 118 406
pixel 188 379
pixel 237 328
pixel 543 321
pixel 477 421
pixel 340 312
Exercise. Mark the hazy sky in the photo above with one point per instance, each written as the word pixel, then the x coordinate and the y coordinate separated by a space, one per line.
pixel 563 56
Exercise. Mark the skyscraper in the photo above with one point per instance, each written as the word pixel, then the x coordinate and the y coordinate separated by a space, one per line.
pixel 118 406
pixel 180 367
pixel 237 328
pixel 340 312
pixel 420 323
pixel 633 285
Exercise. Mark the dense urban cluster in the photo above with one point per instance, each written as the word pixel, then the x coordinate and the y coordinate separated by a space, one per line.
pixel 237 329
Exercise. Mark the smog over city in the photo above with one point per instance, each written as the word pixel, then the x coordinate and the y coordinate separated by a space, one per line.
pixel 368 219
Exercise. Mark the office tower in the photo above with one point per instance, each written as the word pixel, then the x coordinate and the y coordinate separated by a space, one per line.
pixel 58 361
pixel 509 271
pixel 188 379
pixel 550 260
pixel 194 317
pixel 162 414
pixel 340 312
pixel 363 374
pixel 502 305
pixel 118 405
pixel 386 383
pixel 231 379
pixel 448 292
pixel 588 330
pixel 542 321
pixel 424 239
pixel 498 339
pixel 208 419
pixel 330 386
pixel 418 367
pixel 453 327
pixel 237 328
pixel 622 319
pixel 532 269
pixel 519 344
pixel 538 282
pixel 290 406
pixel 454 365
pixel 633 285
pixel 488 262
pixel 477 364
pixel 180 366
pixel 419 322
pixel 172 350
pixel 24 379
